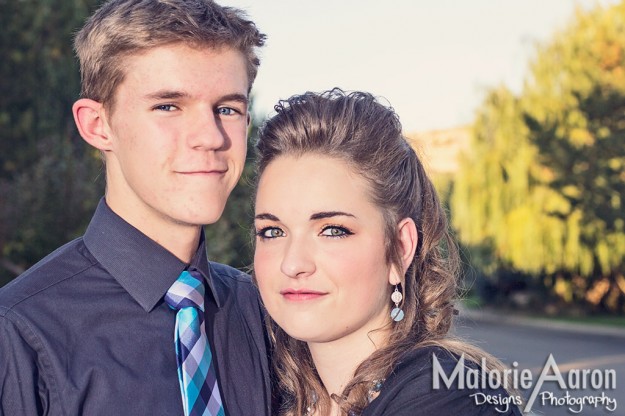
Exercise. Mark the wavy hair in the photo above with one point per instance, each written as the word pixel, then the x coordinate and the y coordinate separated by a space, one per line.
pixel 357 129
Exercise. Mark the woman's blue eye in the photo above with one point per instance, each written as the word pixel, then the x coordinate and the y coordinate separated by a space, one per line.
pixel 270 232
pixel 334 231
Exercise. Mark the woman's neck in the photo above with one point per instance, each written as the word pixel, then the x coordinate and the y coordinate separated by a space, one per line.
pixel 337 361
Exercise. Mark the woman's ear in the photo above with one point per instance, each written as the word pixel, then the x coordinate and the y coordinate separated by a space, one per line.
pixel 408 239
pixel 90 118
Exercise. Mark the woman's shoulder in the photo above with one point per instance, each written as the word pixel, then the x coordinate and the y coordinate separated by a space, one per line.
pixel 434 381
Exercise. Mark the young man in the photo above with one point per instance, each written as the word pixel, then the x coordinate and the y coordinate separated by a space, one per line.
pixel 89 330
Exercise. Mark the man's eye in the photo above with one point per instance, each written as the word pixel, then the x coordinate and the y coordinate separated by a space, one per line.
pixel 166 107
pixel 335 231
pixel 270 232
pixel 226 111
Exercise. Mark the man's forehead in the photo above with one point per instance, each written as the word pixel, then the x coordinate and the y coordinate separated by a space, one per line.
pixel 174 71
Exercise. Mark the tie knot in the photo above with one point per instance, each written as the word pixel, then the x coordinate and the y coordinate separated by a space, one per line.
pixel 187 291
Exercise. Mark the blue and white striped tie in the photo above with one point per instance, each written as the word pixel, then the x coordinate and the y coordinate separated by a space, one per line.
pixel 196 371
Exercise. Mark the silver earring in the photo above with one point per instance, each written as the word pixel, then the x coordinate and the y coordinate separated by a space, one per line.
pixel 397 314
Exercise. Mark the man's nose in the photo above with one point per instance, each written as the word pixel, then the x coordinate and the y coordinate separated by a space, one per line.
pixel 207 133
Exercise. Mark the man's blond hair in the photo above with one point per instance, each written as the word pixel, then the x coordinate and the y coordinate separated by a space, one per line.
pixel 121 28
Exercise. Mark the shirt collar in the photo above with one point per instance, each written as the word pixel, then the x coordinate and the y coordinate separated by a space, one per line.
pixel 145 269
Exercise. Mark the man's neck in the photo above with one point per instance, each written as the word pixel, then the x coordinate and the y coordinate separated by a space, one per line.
pixel 179 239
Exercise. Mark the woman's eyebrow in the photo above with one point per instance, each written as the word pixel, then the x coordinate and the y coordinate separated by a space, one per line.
pixel 330 214
pixel 266 216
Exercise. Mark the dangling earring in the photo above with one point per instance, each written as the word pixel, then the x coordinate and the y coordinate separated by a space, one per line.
pixel 397 314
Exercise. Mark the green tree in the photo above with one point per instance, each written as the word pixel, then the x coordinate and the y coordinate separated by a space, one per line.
pixel 543 190
pixel 580 133
pixel 49 179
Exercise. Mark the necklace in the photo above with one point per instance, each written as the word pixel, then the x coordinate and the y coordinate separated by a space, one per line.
pixel 373 392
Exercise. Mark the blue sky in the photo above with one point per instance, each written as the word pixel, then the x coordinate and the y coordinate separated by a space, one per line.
pixel 432 60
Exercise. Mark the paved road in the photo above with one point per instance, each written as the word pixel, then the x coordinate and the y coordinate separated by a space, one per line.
pixel 530 347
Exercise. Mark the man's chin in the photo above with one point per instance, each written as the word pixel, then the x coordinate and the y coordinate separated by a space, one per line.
pixel 202 217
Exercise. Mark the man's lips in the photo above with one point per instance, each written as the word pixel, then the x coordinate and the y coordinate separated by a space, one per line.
pixel 302 294
pixel 202 172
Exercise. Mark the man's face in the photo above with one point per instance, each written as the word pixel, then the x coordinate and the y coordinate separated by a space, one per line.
pixel 178 136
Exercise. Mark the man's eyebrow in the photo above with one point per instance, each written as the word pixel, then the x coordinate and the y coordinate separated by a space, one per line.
pixel 176 95
pixel 242 98
pixel 330 214
pixel 266 216
pixel 166 95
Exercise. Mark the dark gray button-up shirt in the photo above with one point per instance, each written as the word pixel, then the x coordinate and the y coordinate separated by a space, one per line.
pixel 86 331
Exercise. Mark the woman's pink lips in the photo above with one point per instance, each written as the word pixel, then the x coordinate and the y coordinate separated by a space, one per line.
pixel 301 294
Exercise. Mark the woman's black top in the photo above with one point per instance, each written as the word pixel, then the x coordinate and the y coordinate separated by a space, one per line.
pixel 409 389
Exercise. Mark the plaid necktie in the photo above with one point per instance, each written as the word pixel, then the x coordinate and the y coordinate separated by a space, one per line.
pixel 196 372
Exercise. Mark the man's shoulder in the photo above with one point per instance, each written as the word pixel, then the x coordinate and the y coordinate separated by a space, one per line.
pixel 233 285
pixel 229 275
pixel 63 263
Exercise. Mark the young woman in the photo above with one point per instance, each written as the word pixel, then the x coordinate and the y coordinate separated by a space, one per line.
pixel 356 267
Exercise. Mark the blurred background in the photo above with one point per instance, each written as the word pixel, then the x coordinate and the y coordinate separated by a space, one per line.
pixel 517 108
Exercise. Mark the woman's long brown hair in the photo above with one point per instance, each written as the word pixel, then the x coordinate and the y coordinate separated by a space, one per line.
pixel 357 129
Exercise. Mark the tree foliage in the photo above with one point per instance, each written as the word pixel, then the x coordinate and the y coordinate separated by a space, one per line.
pixel 39 76
pixel 543 190
pixel 49 179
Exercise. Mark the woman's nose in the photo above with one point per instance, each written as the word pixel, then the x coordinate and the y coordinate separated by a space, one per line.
pixel 298 260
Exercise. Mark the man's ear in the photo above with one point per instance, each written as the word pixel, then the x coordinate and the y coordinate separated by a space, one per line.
pixel 90 118
pixel 408 239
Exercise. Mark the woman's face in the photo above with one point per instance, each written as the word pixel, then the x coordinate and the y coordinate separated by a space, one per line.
pixel 320 253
